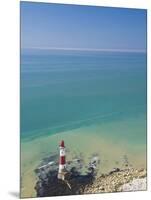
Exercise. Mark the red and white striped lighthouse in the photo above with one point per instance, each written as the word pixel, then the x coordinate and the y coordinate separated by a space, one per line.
pixel 62 161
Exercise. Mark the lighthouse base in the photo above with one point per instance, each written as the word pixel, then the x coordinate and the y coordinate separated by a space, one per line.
pixel 63 175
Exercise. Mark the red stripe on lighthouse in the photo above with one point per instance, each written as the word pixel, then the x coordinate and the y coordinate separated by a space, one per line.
pixel 62 160
pixel 62 143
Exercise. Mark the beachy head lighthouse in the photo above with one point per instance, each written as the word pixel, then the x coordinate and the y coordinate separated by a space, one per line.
pixel 62 161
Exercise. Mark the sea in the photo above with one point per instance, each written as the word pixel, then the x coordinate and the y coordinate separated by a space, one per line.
pixel 94 101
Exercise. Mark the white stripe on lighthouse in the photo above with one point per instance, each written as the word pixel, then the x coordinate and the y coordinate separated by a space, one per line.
pixel 62 151
pixel 61 168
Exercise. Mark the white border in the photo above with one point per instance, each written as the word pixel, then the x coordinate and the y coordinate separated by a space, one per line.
pixel 9 96
pixel 114 3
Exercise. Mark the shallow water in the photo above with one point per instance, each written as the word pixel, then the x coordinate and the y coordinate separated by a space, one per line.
pixel 95 102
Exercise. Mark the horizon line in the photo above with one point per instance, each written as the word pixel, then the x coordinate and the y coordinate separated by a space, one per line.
pixel 86 49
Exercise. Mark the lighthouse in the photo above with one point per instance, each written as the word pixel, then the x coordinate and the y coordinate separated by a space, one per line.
pixel 62 161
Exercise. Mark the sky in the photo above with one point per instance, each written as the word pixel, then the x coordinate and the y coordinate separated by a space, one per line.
pixel 58 26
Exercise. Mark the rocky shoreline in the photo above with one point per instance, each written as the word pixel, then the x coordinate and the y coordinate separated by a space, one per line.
pixel 87 181
pixel 116 181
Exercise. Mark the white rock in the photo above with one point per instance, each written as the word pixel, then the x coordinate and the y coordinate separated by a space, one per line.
pixel 135 185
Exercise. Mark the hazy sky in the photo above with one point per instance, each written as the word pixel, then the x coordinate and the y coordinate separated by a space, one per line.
pixel 45 25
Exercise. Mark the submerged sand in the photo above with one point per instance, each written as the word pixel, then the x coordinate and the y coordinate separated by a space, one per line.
pixel 112 153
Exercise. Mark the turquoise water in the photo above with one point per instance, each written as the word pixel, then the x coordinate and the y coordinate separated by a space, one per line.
pixel 63 91
pixel 95 101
